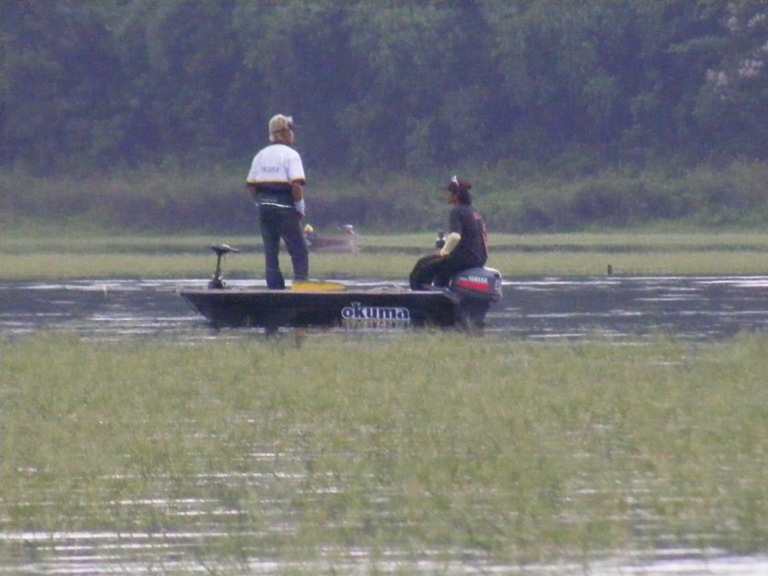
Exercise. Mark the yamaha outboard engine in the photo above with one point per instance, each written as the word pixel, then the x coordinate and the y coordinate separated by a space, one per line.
pixel 477 289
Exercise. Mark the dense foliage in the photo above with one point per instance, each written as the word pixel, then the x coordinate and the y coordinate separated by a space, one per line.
pixel 374 84
pixel 401 91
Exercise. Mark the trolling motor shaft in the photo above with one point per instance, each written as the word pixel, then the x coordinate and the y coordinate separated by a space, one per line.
pixel 217 282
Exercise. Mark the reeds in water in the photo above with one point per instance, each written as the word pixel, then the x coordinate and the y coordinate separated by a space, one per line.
pixel 465 449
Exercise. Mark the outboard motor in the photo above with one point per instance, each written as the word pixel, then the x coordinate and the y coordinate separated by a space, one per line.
pixel 476 288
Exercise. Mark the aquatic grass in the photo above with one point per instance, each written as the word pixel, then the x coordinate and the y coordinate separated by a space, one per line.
pixel 477 449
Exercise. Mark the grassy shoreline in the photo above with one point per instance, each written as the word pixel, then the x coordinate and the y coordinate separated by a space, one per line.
pixel 385 256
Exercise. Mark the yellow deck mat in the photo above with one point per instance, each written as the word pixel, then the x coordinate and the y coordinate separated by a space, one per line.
pixel 317 286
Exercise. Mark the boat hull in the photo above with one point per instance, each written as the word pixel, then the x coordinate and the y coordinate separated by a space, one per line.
pixel 285 308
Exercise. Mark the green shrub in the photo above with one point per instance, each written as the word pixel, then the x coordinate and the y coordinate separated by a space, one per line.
pixel 514 198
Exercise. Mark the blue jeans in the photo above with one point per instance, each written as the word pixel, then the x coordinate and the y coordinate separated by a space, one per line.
pixel 285 223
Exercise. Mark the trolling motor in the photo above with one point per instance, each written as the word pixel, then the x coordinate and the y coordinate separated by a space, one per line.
pixel 217 282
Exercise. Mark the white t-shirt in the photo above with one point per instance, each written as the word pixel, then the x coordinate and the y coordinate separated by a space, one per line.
pixel 276 164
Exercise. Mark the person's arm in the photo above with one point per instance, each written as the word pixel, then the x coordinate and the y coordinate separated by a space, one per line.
pixel 295 172
pixel 454 236
pixel 450 243
pixel 252 190
pixel 297 191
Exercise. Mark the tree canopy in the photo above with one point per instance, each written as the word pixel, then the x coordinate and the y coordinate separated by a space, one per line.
pixel 388 85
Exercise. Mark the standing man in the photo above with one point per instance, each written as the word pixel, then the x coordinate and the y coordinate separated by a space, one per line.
pixel 465 247
pixel 276 183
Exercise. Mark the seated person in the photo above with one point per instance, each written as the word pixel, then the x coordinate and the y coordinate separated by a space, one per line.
pixel 465 247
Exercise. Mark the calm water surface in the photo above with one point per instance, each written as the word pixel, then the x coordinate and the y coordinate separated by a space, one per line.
pixel 702 308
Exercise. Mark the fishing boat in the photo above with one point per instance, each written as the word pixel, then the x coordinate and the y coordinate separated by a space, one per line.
pixel 347 242
pixel 464 302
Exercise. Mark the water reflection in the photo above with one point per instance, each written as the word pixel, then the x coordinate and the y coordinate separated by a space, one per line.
pixel 706 308
pixel 92 553
pixel 534 308
pixel 95 308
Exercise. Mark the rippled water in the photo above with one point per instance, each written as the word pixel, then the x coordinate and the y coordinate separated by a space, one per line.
pixel 686 307
pixel 533 308
pixel 97 554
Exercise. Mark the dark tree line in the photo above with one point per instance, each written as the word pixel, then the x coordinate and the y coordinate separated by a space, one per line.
pixel 380 84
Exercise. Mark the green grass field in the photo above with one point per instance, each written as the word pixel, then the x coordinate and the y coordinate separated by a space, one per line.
pixel 392 257
pixel 464 450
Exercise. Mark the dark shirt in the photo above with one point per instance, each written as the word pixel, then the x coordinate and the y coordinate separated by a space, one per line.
pixel 472 249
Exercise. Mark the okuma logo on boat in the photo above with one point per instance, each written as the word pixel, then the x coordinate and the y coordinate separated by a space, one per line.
pixel 356 311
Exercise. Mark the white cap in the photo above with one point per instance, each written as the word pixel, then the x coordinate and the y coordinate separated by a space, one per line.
pixel 279 123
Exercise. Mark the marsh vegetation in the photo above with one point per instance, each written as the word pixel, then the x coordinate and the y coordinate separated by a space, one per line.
pixel 57 254
pixel 419 447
